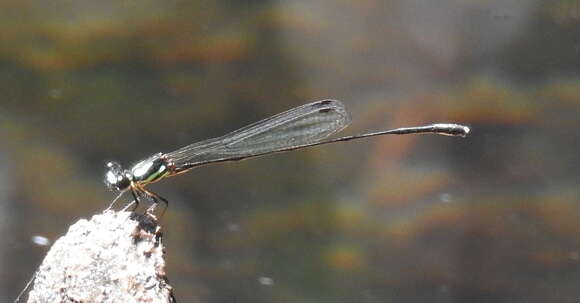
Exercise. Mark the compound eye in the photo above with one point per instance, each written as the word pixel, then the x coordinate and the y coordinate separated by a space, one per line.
pixel 114 178
pixel 114 166
pixel 111 179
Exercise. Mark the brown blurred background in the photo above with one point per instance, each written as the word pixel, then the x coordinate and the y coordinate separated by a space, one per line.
pixel 494 217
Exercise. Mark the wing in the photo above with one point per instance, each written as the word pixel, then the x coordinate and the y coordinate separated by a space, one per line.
pixel 305 124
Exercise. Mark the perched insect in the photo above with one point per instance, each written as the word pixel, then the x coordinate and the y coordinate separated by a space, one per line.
pixel 304 126
pixel 300 127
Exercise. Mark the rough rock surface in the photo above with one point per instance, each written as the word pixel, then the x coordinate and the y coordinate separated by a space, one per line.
pixel 113 257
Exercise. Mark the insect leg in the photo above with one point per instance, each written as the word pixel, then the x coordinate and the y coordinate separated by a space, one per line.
pixel 135 194
pixel 115 200
pixel 156 199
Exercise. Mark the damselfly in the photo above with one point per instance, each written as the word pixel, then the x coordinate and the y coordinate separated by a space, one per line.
pixel 300 127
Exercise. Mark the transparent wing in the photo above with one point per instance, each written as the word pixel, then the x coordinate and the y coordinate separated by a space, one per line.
pixel 305 124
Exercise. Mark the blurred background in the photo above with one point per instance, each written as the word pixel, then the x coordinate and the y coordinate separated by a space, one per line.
pixel 494 217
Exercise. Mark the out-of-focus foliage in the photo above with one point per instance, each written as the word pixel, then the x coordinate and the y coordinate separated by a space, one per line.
pixel 494 217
